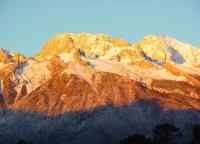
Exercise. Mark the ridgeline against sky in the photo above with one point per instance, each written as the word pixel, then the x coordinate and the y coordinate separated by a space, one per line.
pixel 27 24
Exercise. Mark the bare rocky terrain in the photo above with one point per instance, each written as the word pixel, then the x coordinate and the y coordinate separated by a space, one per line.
pixel 83 88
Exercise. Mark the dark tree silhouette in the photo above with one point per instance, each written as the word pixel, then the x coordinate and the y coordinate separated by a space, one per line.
pixel 164 133
pixel 196 134
pixel 136 139
pixel 21 141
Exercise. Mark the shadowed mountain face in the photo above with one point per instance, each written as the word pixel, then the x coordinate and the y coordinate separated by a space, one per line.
pixel 84 88
pixel 175 56
pixel 106 124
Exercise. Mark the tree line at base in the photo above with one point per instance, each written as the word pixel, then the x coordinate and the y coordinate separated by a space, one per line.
pixel 165 133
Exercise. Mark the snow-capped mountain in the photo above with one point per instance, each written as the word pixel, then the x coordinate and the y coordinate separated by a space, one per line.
pixel 84 72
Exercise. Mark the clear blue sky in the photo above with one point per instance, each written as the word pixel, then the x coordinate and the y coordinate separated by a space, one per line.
pixel 26 25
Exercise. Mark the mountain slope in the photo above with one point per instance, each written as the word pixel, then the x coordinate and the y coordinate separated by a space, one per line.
pixel 149 62
pixel 82 82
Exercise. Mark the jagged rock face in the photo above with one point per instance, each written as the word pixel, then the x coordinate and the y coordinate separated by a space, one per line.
pixel 95 89
pixel 90 44
pixel 56 65
pixel 153 47
pixel 77 72
pixel 7 57
pixel 68 93
pixel 180 52
pixel 3 56
pixel 8 92
pixel 9 61
pixel 159 49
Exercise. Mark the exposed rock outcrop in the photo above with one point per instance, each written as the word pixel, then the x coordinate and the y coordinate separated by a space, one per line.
pixel 75 72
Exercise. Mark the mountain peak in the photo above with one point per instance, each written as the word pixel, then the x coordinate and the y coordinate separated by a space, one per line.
pixel 98 62
pixel 91 44
pixel 151 51
pixel 10 56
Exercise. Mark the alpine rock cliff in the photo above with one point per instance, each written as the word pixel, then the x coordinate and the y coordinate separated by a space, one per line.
pixel 106 86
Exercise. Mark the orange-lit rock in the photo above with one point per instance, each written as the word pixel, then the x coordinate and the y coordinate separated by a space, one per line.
pixel 76 72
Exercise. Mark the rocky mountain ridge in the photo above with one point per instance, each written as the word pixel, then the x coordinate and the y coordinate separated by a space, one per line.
pixel 84 88
pixel 101 71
